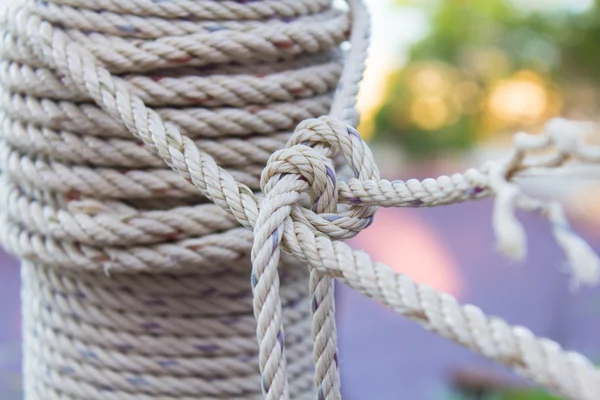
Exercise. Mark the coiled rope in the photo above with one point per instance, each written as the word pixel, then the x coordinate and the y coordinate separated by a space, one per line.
pixel 86 205
pixel 82 198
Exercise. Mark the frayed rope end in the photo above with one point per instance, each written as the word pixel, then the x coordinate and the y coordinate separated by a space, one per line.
pixel 511 240
pixel 510 235
pixel 582 260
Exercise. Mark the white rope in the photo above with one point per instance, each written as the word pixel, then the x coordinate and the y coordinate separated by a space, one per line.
pixel 68 90
pixel 82 199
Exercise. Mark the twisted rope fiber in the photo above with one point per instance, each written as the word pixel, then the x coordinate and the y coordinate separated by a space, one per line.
pixel 84 199
pixel 305 167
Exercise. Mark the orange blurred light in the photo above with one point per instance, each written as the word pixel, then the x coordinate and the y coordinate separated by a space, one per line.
pixel 466 97
pixel 430 79
pixel 521 99
pixel 371 95
pixel 429 113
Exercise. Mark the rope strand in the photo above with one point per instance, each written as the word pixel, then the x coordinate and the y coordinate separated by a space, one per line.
pixel 109 107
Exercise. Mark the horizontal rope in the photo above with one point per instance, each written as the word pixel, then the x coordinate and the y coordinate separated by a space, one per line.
pixel 128 25
pixel 197 122
pixel 121 153
pixel 205 9
pixel 187 88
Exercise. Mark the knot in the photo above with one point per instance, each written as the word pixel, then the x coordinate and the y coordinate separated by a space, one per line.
pixel 309 171
pixel 306 166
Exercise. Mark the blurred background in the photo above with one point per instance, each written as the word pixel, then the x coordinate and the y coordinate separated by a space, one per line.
pixel 448 83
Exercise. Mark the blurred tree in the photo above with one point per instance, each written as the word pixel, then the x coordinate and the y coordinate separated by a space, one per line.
pixel 581 45
pixel 487 68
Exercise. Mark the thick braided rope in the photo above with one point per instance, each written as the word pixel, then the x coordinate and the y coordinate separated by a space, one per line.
pixel 150 336
pixel 83 199
pixel 308 234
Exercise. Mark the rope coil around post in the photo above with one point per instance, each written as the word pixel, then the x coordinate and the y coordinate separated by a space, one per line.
pixel 308 234
pixel 85 204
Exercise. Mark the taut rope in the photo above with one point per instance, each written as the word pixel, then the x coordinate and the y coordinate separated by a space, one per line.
pixel 84 200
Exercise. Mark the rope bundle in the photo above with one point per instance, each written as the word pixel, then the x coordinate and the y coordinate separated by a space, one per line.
pixel 85 201
pixel 176 336
pixel 82 198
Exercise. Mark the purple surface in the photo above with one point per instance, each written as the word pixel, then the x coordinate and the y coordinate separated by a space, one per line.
pixel 10 330
pixel 385 356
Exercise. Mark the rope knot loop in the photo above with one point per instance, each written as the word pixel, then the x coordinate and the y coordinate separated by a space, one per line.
pixel 308 170
pixel 306 166
pixel 333 135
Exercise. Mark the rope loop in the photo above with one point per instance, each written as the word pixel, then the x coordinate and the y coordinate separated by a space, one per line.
pixel 314 173
pixel 337 136
pixel 309 155
pixel 304 166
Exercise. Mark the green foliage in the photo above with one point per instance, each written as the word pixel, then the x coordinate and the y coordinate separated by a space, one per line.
pixel 580 41
pixel 484 43
pixel 509 394
pixel 527 395
pixel 460 26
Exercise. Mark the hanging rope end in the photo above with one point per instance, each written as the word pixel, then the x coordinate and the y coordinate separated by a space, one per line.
pixel 583 262
pixel 510 235
pixel 511 239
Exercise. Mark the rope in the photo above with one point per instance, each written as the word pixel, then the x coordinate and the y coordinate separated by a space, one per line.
pixel 85 205
pixel 84 200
